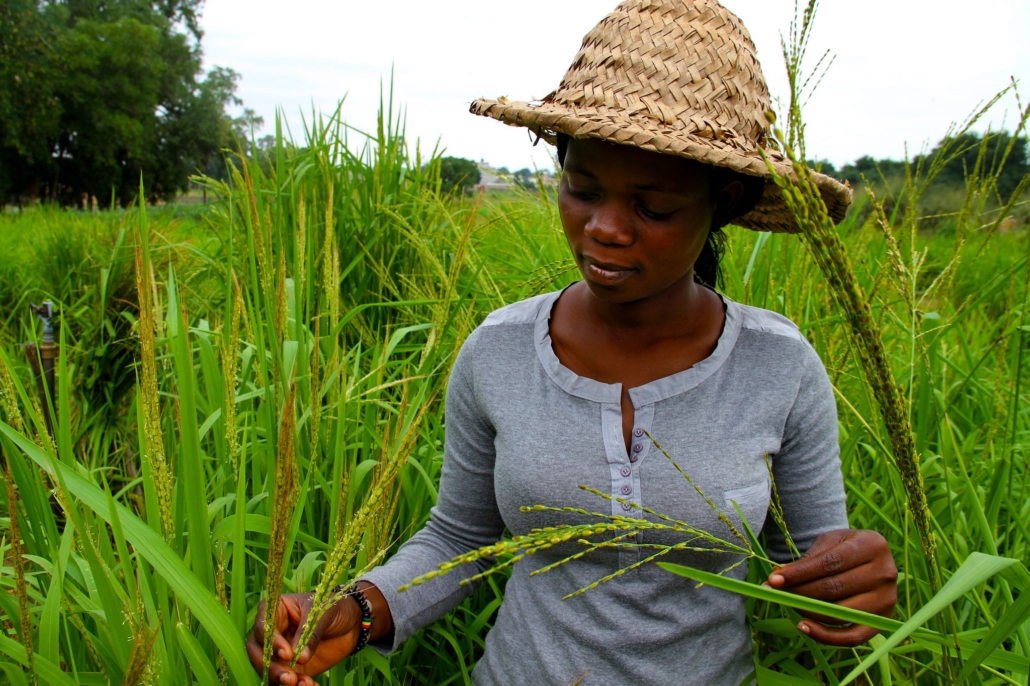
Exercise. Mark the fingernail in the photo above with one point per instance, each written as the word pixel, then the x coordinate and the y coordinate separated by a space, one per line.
pixel 765 584
pixel 803 628
pixel 776 579
pixel 304 655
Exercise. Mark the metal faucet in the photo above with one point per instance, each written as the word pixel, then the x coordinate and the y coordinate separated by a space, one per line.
pixel 43 358
pixel 45 312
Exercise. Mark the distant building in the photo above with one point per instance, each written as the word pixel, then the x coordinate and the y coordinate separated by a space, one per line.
pixel 491 179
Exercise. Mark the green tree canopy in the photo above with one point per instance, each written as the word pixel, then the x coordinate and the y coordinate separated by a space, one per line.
pixel 458 173
pixel 95 93
pixel 967 149
pixel 962 153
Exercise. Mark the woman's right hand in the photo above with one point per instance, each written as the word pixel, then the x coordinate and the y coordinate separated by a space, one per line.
pixel 333 639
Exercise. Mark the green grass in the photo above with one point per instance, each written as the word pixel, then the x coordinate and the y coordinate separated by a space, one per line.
pixel 356 282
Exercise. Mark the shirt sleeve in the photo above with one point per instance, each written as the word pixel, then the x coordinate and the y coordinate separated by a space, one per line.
pixel 806 471
pixel 464 518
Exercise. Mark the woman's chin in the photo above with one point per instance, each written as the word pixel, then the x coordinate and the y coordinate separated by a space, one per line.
pixel 617 293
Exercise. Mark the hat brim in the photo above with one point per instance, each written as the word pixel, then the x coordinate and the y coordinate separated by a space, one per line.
pixel 771 213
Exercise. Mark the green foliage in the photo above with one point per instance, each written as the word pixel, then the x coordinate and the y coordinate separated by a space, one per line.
pixel 28 103
pixel 866 167
pixel 1010 166
pixel 1009 154
pixel 94 95
pixel 457 173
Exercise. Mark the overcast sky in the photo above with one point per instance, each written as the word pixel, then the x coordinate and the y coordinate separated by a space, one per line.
pixel 904 69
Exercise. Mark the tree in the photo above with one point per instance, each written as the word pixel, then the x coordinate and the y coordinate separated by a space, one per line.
pixel 458 173
pixel 117 92
pixel 967 148
pixel 871 169
pixel 28 103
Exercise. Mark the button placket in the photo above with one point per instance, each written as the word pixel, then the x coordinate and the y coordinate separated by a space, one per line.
pixel 624 465
pixel 639 449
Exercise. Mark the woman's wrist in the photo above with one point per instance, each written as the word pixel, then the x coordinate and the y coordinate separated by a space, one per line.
pixel 382 619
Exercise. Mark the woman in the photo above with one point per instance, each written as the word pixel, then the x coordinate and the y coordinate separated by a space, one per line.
pixel 659 125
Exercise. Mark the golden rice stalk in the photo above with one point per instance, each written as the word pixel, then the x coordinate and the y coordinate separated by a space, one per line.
pixel 9 397
pixel 776 510
pixel 820 235
pixel 315 390
pixel 223 600
pixel 715 508
pixel 230 368
pixel 894 256
pixel 331 265
pixel 623 526
pixel 281 316
pixel 21 587
pixel 348 534
pixel 626 529
pixel 154 447
pixel 43 438
pixel 257 229
pixel 141 666
pixel 300 272
pixel 284 500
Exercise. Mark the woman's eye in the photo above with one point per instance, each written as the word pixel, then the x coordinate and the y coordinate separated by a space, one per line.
pixel 657 216
pixel 581 194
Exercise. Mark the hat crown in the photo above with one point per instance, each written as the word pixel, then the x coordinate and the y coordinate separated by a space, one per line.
pixel 688 66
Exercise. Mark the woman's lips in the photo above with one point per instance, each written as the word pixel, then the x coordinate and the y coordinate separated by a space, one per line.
pixel 608 275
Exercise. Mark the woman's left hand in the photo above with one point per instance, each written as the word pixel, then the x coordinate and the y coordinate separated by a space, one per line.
pixel 849 567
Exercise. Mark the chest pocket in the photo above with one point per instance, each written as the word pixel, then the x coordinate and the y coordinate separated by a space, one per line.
pixel 752 500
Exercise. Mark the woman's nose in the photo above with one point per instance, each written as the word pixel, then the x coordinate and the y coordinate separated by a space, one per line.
pixel 609 224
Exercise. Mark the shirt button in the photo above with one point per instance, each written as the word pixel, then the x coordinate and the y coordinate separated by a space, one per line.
pixel 638 447
pixel 627 489
pixel 634 457
pixel 638 432
pixel 626 471
pixel 626 506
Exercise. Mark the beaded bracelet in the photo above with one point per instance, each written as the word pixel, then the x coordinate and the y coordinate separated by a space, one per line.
pixel 366 615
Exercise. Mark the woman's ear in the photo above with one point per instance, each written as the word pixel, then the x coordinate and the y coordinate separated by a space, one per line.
pixel 727 200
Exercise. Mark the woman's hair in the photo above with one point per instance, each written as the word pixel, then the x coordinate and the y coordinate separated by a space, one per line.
pixel 706 268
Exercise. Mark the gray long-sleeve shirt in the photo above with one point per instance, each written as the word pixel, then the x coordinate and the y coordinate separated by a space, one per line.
pixel 522 429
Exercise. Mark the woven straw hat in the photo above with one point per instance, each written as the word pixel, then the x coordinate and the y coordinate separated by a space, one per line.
pixel 677 77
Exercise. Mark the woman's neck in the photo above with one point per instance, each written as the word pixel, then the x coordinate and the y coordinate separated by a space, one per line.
pixel 681 310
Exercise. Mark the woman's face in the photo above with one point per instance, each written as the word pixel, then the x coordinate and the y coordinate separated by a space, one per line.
pixel 636 220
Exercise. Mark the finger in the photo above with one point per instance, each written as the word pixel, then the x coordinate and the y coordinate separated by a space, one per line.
pixel 305 680
pixel 304 611
pixel 254 653
pixel 877 603
pixel 867 578
pixel 847 637
pixel 840 557
pixel 282 622
pixel 312 645
pixel 256 647
pixel 281 648
pixel 826 540
pixel 259 623
pixel 278 673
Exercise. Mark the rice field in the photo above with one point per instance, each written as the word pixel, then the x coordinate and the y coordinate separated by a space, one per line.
pixel 249 402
